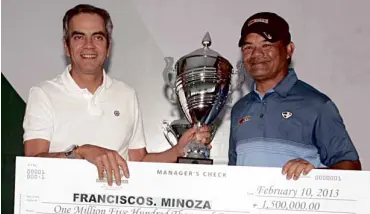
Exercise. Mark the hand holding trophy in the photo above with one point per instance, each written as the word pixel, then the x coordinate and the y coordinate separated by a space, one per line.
pixel 201 81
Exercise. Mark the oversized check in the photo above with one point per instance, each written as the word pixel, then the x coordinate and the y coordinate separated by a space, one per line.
pixel 46 186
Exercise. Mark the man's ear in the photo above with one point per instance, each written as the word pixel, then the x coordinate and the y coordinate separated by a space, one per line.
pixel 109 48
pixel 290 50
pixel 66 48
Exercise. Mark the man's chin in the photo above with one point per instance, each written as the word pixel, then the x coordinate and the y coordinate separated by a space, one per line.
pixel 90 67
pixel 258 74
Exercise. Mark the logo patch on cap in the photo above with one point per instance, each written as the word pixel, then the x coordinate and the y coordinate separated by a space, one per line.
pixel 266 21
pixel 268 36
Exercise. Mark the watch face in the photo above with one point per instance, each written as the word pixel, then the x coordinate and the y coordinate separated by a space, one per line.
pixel 70 148
pixel 69 152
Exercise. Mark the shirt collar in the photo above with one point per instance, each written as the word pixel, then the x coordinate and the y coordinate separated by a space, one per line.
pixel 283 87
pixel 72 85
pixel 259 94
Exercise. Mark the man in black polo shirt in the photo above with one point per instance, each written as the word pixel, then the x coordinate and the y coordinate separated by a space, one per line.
pixel 283 121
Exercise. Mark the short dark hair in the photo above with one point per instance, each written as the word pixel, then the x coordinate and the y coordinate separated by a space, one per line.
pixel 86 8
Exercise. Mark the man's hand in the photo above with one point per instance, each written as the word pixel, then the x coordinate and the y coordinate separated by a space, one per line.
pixel 294 168
pixel 201 135
pixel 105 160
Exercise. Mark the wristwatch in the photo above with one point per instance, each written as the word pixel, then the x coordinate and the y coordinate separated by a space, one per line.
pixel 70 152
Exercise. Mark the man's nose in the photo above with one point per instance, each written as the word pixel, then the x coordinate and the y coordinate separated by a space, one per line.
pixel 89 42
pixel 257 51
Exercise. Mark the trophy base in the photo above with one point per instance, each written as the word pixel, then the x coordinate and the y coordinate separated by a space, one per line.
pixel 194 160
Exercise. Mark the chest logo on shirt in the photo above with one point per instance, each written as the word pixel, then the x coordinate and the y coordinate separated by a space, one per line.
pixel 244 119
pixel 286 114
pixel 116 113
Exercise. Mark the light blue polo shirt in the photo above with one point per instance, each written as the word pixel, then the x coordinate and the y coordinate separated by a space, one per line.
pixel 293 120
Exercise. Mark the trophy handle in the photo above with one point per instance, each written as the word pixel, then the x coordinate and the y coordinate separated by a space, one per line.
pixel 241 76
pixel 239 72
pixel 169 77
pixel 167 130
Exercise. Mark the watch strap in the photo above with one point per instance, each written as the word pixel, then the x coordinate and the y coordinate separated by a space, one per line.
pixel 70 153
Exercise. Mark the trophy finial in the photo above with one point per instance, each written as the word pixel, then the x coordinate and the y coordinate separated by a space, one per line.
pixel 206 41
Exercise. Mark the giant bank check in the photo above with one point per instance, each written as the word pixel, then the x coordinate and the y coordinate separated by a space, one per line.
pixel 46 186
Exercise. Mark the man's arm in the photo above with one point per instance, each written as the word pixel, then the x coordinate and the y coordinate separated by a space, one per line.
pixel 137 146
pixel 334 144
pixel 347 165
pixel 40 148
pixel 38 130
pixel 38 125
pixel 294 168
pixel 104 159
pixel 171 155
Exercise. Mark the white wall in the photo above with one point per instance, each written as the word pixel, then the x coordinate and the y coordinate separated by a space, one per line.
pixel 331 37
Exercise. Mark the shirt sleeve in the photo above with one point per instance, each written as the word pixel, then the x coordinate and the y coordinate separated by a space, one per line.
pixel 137 140
pixel 333 141
pixel 232 143
pixel 38 120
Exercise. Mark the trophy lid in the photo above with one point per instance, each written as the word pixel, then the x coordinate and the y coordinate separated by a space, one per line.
pixel 200 58
pixel 205 51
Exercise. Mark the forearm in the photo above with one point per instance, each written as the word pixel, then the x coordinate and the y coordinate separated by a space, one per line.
pixel 169 156
pixel 347 165
pixel 56 155
pixel 41 147
pixel 50 155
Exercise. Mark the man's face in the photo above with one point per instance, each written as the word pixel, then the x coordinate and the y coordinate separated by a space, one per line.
pixel 264 60
pixel 88 44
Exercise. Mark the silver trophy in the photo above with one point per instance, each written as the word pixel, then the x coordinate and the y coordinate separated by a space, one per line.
pixel 201 81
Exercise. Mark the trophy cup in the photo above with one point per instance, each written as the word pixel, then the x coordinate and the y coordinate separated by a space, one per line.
pixel 201 81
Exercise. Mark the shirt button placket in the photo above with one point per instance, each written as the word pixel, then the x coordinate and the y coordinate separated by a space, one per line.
pixel 262 116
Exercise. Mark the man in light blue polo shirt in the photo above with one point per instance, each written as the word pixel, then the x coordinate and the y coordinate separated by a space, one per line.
pixel 283 121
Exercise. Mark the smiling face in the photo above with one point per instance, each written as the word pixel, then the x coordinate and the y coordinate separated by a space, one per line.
pixel 265 60
pixel 87 44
